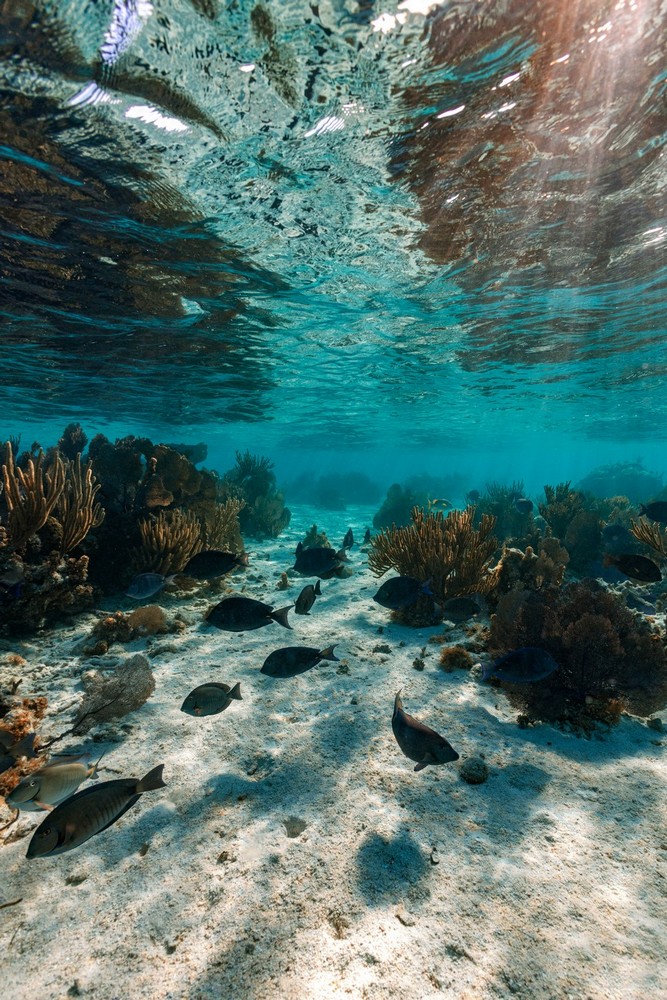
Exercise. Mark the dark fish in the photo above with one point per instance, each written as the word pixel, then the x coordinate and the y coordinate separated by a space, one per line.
pixel 348 541
pixel 460 609
pixel 147 584
pixel 11 592
pixel 210 699
pixel 243 614
pixel 293 660
pixel 367 536
pixel 401 592
pixel 53 783
pixel 613 534
pixel 11 750
pixel 472 496
pixel 213 563
pixel 306 598
pixel 419 742
pixel 86 813
pixel 317 561
pixel 656 511
pixel 636 567
pixel 522 666
pixel 523 505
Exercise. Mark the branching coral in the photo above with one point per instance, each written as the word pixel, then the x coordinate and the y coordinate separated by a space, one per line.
pixel 29 495
pixel 76 508
pixel 608 657
pixel 396 508
pixel 252 479
pixel 448 551
pixel 225 531
pixel 650 534
pixel 561 506
pixel 168 541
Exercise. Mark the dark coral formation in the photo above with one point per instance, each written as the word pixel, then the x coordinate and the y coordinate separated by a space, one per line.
pixel 455 658
pixel 114 694
pixel 628 479
pixel 397 507
pixel 252 480
pixel 609 658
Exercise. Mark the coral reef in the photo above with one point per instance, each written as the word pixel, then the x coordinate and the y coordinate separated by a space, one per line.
pixel 650 534
pixel 168 540
pixel 512 527
pixel 252 480
pixel 314 539
pixel 52 590
pixel 455 658
pixel 562 504
pixel 112 695
pixel 397 507
pixel 76 509
pixel 20 716
pixel 29 496
pixel 447 551
pixel 628 479
pixel 72 442
pixel 529 570
pixel 121 627
pixel 609 658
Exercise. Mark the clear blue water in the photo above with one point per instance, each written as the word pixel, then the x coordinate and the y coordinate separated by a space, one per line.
pixel 379 236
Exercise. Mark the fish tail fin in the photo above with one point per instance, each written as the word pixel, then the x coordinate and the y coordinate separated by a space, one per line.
pixel 426 588
pixel 236 691
pixel 168 580
pixel 152 780
pixel 242 559
pixel 93 770
pixel 342 555
pixel 487 671
pixel 316 589
pixel 280 616
pixel 328 654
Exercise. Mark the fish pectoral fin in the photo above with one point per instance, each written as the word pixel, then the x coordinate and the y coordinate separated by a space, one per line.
pixel 422 765
pixel 43 805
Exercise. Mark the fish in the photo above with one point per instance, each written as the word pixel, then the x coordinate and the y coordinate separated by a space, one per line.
pixel 306 598
pixel 638 568
pixel 213 563
pixel 211 699
pixel 443 504
pixel 523 506
pixel 617 534
pixel 419 742
pixel 348 541
pixel 367 536
pixel 401 592
pixel 146 585
pixel 11 749
pixel 522 666
pixel 656 511
pixel 292 660
pixel 243 614
pixel 460 609
pixel 57 780
pixel 472 497
pixel 89 812
pixel 318 561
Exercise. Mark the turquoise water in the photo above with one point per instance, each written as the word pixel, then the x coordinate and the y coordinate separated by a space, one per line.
pixel 392 237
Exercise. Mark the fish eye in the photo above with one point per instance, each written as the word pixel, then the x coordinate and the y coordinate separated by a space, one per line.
pixel 33 783
pixel 45 833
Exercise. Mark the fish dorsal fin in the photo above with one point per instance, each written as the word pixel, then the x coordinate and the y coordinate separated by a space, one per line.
pixel 316 589
pixel 236 691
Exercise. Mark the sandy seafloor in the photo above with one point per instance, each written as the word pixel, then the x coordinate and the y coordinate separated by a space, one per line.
pixel 547 881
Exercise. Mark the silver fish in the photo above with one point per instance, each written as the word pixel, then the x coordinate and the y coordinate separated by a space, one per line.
pixel 210 699
pixel 419 742
pixel 51 784
pixel 86 813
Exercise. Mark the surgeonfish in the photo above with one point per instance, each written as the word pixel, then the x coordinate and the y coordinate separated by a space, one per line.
pixel 12 749
pixel 656 511
pixel 51 784
pixel 460 609
pixel 523 505
pixel 306 598
pixel 211 699
pixel 146 585
pixel 522 666
pixel 318 561
pixel 638 568
pixel 213 563
pixel 401 592
pixel 419 742
pixel 244 614
pixel 292 660
pixel 348 541
pixel 88 812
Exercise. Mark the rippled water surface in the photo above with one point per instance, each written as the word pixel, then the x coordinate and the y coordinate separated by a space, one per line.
pixel 359 224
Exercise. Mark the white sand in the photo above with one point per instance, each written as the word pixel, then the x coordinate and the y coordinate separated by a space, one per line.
pixel 548 881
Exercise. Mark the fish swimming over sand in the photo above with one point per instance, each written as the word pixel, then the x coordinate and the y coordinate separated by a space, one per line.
pixel 244 614
pixel 292 660
pixel 89 812
pixel 522 666
pixel 318 561
pixel 211 699
pixel 348 541
pixel 656 511
pixel 401 592
pixel 213 563
pixel 51 784
pixel 146 585
pixel 460 609
pixel 306 598
pixel 12 749
pixel 419 742
pixel 367 536
pixel 638 568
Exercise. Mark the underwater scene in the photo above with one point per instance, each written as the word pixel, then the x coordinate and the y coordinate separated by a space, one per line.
pixel 333 499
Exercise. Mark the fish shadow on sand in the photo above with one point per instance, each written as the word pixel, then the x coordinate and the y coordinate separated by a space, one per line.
pixel 387 866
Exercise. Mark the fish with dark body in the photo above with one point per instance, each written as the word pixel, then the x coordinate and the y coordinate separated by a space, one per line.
pixel 401 592
pixel 306 598
pixel 419 742
pixel 522 666
pixel 656 511
pixel 292 660
pixel 146 585
pixel 244 614
pixel 211 699
pixel 12 749
pixel 348 541
pixel 523 505
pixel 472 497
pixel 615 535
pixel 460 609
pixel 367 536
pixel 638 568
pixel 51 784
pixel 89 812
pixel 318 561
pixel 213 563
